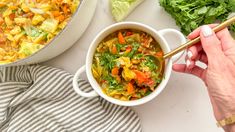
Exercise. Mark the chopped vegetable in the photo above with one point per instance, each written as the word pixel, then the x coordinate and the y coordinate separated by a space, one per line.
pixel 29 48
pixel 128 74
pixel 121 39
pixel 37 19
pixel 123 71
pixel 49 25
pixel 122 8
pixel 190 14
pixel 130 88
pixel 115 71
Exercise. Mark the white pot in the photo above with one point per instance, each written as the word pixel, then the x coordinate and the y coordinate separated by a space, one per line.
pixel 66 38
pixel 157 35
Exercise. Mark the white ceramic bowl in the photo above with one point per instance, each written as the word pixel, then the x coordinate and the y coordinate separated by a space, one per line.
pixel 157 35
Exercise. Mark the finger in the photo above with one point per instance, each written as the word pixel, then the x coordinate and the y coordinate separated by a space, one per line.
pixel 223 35
pixel 226 39
pixel 202 58
pixel 192 63
pixel 196 32
pixel 210 43
pixel 197 71
pixel 193 51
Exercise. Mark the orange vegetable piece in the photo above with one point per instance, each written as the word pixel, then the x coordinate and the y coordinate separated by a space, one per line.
pixel 65 9
pixel 114 50
pixel 2 39
pixel 159 54
pixel 30 15
pixel 115 71
pixel 128 49
pixel 141 77
pixel 56 13
pixel 1 5
pixel 1 20
pixel 60 18
pixel 121 39
pixel 130 88
pixel 12 16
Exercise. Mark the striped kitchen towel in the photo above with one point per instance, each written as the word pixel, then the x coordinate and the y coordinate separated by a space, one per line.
pixel 41 99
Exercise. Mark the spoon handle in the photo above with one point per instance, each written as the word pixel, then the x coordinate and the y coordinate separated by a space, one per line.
pixel 196 40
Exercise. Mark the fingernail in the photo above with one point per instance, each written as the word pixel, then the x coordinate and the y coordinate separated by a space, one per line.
pixel 206 31
pixel 189 54
pixel 188 63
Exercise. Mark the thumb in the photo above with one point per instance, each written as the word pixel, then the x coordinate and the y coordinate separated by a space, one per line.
pixel 210 43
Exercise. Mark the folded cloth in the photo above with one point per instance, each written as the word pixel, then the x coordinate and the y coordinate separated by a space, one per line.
pixel 41 99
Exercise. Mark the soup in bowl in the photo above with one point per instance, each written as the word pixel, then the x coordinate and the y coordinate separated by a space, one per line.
pixel 128 64
pixel 125 64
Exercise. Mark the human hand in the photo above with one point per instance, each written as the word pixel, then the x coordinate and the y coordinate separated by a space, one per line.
pixel 217 51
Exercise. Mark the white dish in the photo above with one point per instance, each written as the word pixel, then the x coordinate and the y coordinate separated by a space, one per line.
pixel 157 35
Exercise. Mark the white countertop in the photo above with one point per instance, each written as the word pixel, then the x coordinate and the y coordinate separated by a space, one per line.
pixel 183 106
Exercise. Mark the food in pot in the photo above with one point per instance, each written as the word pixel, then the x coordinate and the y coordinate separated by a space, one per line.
pixel 128 64
pixel 28 25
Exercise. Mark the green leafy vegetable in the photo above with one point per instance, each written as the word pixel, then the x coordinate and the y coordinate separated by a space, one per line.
pixel 190 14
pixel 122 8
pixel 107 60
pixel 113 83
pixel 29 48
pixel 134 49
pixel 149 62
pixel 119 46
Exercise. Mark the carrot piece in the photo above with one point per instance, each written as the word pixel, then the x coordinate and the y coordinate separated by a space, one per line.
pixel 128 49
pixel 12 16
pixel 55 13
pixel 60 18
pixel 121 39
pixel 65 9
pixel 30 15
pixel 1 21
pixel 2 39
pixel 130 88
pixel 159 54
pixel 114 50
pixel 140 77
pixel 1 5
pixel 115 71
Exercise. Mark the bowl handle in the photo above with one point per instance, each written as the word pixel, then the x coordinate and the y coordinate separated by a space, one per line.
pixel 76 86
pixel 180 36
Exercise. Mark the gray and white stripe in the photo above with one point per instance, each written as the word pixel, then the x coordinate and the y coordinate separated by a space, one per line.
pixel 41 99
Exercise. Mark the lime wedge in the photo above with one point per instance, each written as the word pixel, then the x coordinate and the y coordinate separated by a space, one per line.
pixel 122 8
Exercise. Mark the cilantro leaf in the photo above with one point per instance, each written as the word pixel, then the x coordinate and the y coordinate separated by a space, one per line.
pixel 190 14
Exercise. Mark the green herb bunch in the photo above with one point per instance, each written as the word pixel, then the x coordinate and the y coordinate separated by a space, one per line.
pixel 190 14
